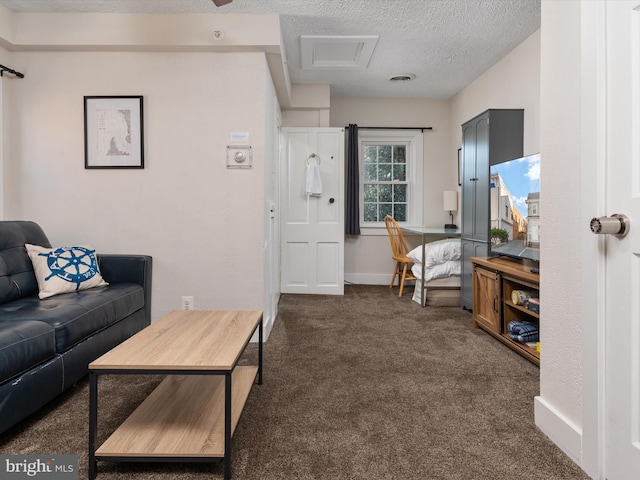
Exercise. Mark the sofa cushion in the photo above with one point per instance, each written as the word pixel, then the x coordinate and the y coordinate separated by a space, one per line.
pixel 24 345
pixel 74 316
pixel 17 279
pixel 64 269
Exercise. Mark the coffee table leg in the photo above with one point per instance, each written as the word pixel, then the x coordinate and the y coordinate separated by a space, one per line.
pixel 227 426
pixel 93 424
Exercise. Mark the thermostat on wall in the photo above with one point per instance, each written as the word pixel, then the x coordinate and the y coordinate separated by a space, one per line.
pixel 239 156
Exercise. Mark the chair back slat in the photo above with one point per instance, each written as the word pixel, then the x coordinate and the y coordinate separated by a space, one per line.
pixel 398 243
pixel 400 250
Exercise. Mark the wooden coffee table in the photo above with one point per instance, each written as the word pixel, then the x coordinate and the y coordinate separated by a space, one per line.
pixel 192 414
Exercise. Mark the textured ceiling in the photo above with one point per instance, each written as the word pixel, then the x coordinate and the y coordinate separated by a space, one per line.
pixel 445 43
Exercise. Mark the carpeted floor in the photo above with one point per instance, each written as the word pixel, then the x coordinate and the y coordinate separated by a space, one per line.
pixel 364 386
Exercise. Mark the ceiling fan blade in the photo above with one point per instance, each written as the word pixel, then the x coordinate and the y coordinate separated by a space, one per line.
pixel 219 3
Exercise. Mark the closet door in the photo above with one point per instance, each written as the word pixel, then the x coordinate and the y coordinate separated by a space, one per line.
pixel 475 179
pixel 475 200
pixel 481 198
pixel 468 183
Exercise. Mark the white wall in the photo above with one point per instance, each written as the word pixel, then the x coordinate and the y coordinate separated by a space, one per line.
pixel 202 222
pixel 560 404
pixel 309 106
pixel 6 59
pixel 513 82
pixel 368 258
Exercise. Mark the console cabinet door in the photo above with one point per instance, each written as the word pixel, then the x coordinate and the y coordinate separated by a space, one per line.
pixel 486 301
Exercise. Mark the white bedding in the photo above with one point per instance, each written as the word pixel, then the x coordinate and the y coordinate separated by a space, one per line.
pixel 442 265
pixel 436 253
pixel 446 269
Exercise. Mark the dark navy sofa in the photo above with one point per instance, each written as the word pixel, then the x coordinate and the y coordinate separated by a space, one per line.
pixel 47 345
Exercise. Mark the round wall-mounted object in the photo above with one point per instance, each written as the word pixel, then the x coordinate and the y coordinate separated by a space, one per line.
pixel 239 156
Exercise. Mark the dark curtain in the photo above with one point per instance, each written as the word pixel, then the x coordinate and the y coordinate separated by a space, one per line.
pixel 352 214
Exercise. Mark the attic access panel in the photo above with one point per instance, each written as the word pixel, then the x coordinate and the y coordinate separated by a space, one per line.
pixel 322 52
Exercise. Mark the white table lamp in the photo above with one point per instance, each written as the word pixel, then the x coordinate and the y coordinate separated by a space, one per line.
pixel 451 204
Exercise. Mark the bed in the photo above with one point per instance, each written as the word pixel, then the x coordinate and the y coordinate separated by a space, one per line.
pixel 442 269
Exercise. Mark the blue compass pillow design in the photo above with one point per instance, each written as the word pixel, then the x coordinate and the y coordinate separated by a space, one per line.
pixel 64 269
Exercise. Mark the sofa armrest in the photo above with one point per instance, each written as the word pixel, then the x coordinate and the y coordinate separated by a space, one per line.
pixel 119 268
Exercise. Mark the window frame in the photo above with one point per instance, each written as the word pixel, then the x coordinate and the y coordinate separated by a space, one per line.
pixel 413 140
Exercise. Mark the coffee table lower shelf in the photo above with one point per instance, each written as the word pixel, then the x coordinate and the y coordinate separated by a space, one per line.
pixel 183 418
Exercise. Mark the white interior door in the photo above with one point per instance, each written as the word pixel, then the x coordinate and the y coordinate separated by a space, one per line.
pixel 622 265
pixel 312 228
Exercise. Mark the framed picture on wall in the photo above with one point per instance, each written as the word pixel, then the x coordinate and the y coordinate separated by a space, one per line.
pixel 113 132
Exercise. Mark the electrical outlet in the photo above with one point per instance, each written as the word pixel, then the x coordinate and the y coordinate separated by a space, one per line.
pixel 187 303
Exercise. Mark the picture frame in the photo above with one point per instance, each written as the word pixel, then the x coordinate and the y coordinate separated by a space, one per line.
pixel 459 166
pixel 113 132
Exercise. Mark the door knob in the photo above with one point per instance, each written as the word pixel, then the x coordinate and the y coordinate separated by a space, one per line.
pixel 331 200
pixel 617 225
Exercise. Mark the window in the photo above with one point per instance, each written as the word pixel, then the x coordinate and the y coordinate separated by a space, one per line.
pixel 385 182
pixel 391 177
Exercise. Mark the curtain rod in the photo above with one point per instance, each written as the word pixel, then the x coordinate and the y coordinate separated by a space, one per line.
pixel 422 129
pixel 10 70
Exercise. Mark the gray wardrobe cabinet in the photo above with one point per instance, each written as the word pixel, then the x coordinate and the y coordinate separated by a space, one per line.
pixel 492 137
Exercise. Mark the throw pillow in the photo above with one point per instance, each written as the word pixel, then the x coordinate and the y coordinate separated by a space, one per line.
pixel 438 252
pixel 64 269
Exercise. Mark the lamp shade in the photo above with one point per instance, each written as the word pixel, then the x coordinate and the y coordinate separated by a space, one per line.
pixel 450 200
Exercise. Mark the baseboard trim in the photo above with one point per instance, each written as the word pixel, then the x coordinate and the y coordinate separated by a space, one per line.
pixel 560 430
pixel 371 279
pixel 267 326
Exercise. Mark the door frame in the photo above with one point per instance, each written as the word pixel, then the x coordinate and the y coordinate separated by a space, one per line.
pixel 594 191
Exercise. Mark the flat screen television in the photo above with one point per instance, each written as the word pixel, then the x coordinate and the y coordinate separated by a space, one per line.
pixel 515 208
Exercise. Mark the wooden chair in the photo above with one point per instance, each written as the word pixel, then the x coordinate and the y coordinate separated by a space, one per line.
pixel 400 251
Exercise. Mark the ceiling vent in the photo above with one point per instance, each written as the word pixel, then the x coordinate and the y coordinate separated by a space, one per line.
pixel 403 77
pixel 330 52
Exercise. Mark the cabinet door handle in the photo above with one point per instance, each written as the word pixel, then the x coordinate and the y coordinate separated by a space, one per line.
pixel 495 308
